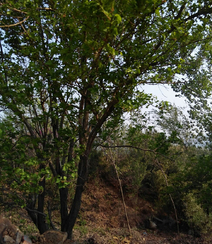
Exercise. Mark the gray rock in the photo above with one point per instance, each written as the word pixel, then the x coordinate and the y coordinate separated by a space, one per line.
pixel 8 240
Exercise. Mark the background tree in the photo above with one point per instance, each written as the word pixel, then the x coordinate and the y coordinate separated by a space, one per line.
pixel 171 119
pixel 68 68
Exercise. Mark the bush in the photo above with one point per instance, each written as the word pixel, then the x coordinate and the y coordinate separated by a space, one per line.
pixel 197 219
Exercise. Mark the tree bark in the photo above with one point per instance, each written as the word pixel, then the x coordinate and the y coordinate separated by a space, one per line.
pixel 41 219
pixel 82 177
pixel 37 215
pixel 31 202
pixel 63 206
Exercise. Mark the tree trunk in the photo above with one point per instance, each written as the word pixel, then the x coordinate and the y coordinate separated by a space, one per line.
pixel 37 215
pixel 41 218
pixel 82 177
pixel 30 208
pixel 63 206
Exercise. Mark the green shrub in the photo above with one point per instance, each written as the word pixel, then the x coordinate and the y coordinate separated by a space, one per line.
pixel 197 218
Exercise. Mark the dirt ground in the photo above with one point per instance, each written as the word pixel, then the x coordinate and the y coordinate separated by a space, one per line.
pixel 105 219
pixel 102 220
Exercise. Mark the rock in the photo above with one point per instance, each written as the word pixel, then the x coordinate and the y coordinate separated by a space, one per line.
pixel 8 240
pixel 152 225
pixel 149 224
pixel 26 240
pixel 9 232
pixel 53 237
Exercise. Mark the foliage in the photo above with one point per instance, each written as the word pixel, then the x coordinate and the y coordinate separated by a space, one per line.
pixel 197 89
pixel 197 218
pixel 172 119
pixel 200 172
pixel 143 158
pixel 187 169
pixel 189 185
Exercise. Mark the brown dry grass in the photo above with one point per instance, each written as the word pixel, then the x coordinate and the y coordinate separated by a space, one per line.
pixel 102 219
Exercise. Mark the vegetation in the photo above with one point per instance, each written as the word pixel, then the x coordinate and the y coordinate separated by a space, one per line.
pixel 70 70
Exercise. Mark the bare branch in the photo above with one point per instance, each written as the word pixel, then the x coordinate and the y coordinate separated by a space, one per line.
pixel 129 146
pixel 35 211
pixel 17 10
pixel 49 9
pixel 170 196
pixel 142 149
pixel 121 189
pixel 11 25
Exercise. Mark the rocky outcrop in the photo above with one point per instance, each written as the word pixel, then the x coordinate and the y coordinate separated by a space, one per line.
pixel 10 234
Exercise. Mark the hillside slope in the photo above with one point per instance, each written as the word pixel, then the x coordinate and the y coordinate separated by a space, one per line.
pixel 102 219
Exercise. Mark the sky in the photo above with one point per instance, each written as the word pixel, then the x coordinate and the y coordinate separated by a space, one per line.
pixel 165 93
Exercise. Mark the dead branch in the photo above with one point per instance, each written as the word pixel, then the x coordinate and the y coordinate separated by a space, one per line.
pixel 12 25
pixel 122 194
pixel 170 196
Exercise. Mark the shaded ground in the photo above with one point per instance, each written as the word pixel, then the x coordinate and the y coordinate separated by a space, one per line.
pixel 102 220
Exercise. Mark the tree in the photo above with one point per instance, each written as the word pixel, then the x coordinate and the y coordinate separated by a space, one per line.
pixel 70 67
pixel 174 120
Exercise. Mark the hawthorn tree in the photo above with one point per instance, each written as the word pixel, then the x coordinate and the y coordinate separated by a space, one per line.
pixel 68 68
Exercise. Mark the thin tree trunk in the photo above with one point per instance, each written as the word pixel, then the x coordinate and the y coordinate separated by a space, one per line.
pixel 63 206
pixel 82 177
pixel 37 215
pixel 41 220
pixel 31 202
pixel 64 193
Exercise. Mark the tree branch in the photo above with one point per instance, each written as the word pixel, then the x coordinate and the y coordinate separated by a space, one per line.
pixel 129 146
pixel 200 12
pixel 35 211
pixel 11 25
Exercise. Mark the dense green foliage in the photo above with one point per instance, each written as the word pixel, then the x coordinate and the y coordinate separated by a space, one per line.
pixel 177 170
pixel 69 70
